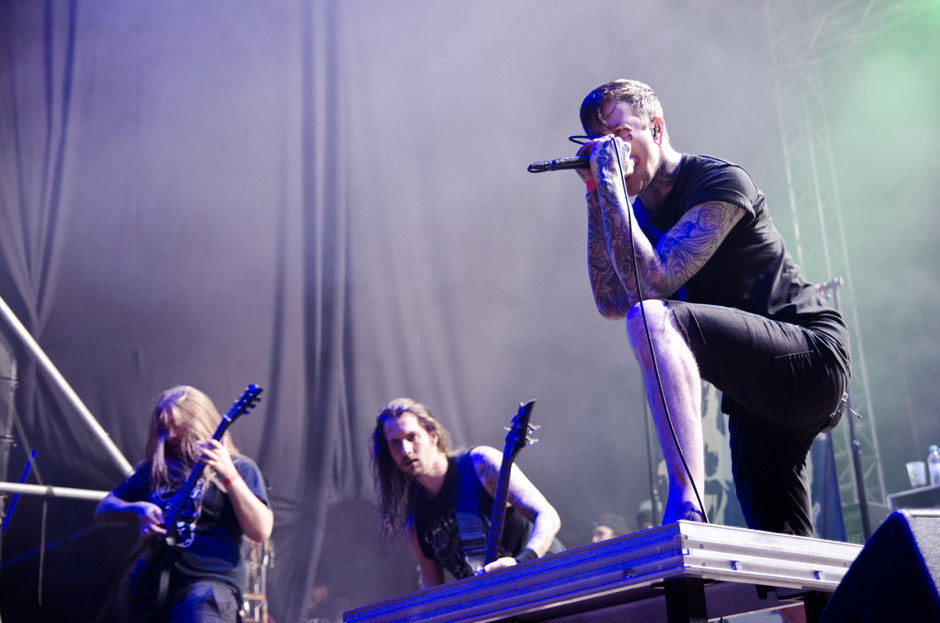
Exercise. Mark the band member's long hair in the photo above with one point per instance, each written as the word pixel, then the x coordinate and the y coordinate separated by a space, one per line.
pixel 194 418
pixel 396 490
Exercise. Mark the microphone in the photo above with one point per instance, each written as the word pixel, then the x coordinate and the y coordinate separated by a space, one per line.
pixel 574 162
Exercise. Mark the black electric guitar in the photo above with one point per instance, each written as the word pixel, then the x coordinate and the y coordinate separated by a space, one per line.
pixel 150 578
pixel 516 439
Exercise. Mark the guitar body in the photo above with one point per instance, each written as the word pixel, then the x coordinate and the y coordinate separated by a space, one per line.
pixel 149 580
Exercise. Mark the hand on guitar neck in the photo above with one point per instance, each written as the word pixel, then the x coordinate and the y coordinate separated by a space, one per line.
pixel 216 456
pixel 255 519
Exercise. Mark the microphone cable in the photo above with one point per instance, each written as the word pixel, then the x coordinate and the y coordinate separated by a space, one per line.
pixel 649 339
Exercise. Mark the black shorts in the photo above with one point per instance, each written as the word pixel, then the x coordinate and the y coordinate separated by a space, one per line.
pixel 781 385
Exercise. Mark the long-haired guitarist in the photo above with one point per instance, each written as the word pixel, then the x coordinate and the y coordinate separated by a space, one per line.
pixel 204 572
pixel 417 480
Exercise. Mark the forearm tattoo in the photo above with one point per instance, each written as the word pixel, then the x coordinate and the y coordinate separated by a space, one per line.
pixel 609 294
pixel 618 239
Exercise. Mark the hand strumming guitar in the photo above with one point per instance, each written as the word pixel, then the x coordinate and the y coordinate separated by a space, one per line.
pixel 114 511
pixel 151 519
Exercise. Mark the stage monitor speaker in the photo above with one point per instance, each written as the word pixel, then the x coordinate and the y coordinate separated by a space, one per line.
pixel 895 576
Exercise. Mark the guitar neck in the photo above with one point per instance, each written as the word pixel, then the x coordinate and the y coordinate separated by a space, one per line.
pixel 515 441
pixel 494 535
pixel 180 499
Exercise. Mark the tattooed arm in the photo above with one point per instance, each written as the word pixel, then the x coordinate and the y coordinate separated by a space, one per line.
pixel 610 297
pixel 524 496
pixel 682 251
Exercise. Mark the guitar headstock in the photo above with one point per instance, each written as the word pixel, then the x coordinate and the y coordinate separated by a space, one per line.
pixel 248 400
pixel 519 430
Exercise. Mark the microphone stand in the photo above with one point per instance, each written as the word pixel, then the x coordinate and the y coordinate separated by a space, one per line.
pixel 832 288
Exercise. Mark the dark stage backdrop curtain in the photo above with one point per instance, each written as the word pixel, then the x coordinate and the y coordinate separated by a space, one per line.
pixel 327 198
pixel 173 211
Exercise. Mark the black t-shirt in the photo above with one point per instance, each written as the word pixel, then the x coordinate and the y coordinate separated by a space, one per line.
pixel 435 521
pixel 751 270
pixel 214 545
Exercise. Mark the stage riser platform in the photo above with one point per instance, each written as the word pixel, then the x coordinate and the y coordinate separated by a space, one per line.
pixel 676 573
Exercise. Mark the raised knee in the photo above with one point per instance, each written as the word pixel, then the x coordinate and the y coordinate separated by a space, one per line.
pixel 652 314
pixel 654 311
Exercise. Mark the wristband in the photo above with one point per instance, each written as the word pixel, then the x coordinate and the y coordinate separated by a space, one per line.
pixel 526 555
pixel 591 186
pixel 229 480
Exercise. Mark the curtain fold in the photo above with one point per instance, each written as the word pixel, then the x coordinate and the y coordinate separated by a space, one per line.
pixel 326 461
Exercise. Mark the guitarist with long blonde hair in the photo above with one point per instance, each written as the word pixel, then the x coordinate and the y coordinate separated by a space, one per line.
pixel 195 498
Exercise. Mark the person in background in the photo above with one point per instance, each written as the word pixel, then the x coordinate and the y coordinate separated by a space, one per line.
pixel 417 480
pixel 608 526
pixel 644 515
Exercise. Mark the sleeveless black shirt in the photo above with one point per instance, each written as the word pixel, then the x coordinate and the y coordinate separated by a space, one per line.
pixel 435 521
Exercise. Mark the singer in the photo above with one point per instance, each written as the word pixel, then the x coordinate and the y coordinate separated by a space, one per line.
pixel 700 274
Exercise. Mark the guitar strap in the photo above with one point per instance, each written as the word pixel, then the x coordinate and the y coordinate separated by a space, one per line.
pixel 469 521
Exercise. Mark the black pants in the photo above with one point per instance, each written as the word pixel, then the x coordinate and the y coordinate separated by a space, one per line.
pixel 782 384
pixel 203 602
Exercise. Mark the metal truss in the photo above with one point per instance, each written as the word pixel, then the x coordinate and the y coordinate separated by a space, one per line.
pixel 805 35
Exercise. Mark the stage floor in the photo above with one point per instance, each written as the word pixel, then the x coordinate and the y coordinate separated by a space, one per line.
pixel 676 573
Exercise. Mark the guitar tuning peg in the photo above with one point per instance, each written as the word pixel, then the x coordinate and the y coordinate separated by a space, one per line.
pixel 529 441
pixel 534 427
